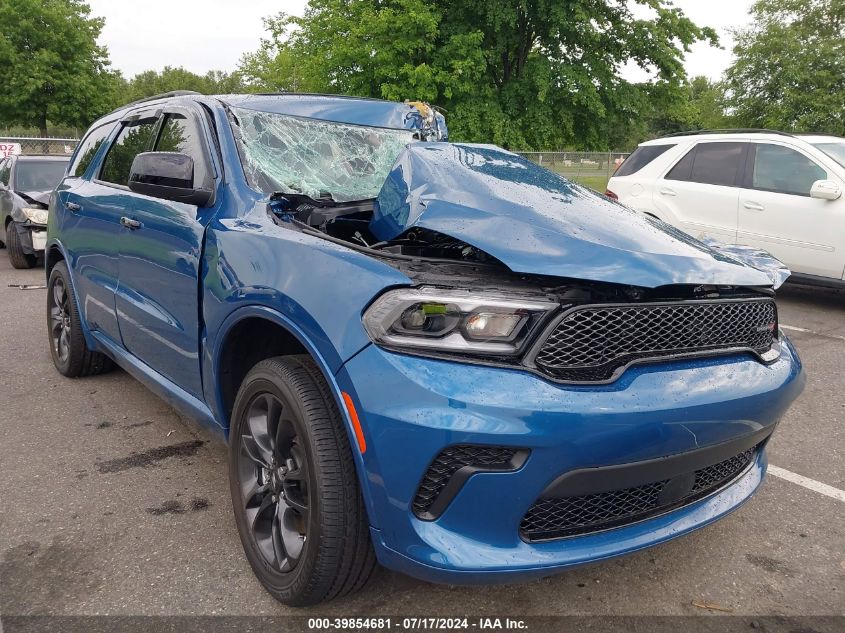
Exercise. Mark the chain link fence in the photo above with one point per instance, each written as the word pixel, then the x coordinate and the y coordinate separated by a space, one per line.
pixel 36 145
pixel 592 169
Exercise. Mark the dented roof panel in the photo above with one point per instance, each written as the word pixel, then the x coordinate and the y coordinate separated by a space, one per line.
pixel 535 221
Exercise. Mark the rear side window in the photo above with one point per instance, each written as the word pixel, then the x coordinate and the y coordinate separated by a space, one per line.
pixel 88 149
pixel 783 170
pixel 710 163
pixel 641 157
pixel 133 139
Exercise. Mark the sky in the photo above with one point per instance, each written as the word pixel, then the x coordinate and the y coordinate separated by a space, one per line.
pixel 203 35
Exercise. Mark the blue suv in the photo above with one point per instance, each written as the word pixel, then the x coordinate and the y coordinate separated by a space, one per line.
pixel 438 356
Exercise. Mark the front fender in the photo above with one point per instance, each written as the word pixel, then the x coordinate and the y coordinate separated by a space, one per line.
pixel 317 285
pixel 314 289
pixel 214 370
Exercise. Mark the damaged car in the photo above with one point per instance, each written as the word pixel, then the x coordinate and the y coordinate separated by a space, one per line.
pixel 436 356
pixel 25 186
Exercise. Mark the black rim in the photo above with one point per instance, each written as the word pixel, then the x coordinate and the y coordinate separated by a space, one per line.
pixel 273 470
pixel 60 319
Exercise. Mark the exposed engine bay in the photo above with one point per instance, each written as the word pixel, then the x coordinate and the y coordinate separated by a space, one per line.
pixel 350 222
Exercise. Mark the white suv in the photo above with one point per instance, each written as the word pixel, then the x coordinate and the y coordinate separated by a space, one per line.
pixel 778 192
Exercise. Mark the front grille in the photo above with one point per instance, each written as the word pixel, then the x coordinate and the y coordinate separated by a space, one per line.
pixel 592 343
pixel 569 516
pixel 452 459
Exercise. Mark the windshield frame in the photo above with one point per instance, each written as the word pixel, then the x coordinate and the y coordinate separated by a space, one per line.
pixel 399 139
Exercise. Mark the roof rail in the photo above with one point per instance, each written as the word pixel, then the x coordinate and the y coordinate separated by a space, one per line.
pixel 738 130
pixel 172 93
pixel 163 95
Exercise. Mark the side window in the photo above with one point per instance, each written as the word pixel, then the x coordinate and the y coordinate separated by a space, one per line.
pixel 641 157
pixel 710 163
pixel 88 149
pixel 5 171
pixel 133 139
pixel 181 134
pixel 783 170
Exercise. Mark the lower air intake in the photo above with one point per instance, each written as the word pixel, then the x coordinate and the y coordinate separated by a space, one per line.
pixel 467 458
pixel 559 517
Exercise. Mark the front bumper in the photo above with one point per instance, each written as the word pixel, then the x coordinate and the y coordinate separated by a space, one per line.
pixel 39 238
pixel 412 408
pixel 32 237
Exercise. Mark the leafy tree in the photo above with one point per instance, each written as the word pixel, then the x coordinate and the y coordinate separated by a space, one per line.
pixel 51 66
pixel 273 67
pixel 151 82
pixel 708 103
pixel 789 72
pixel 524 74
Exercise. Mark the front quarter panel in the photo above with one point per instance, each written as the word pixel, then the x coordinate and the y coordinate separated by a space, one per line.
pixel 318 286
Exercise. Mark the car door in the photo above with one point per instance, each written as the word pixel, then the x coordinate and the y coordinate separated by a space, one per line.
pixel 777 214
pixel 160 258
pixel 700 192
pixel 89 205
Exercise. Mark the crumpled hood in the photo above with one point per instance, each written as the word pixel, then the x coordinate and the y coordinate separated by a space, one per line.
pixel 534 221
pixel 42 197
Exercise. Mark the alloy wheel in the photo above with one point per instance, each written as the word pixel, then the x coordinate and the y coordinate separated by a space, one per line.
pixel 273 468
pixel 60 319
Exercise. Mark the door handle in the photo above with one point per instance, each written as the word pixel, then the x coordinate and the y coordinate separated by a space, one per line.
pixel 73 207
pixel 667 192
pixel 129 223
pixel 753 206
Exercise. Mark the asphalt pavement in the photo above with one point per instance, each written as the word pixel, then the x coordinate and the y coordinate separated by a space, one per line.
pixel 112 503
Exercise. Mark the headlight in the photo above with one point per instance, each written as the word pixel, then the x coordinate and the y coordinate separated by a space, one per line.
pixel 454 321
pixel 37 216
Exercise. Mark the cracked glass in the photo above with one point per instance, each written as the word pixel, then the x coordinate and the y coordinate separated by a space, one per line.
pixel 288 154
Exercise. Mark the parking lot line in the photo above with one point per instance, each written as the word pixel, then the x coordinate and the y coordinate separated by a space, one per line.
pixel 795 328
pixel 806 482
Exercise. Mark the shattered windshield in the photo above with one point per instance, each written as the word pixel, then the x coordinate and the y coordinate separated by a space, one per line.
pixel 317 158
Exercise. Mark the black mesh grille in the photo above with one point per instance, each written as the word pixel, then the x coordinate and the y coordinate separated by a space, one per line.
pixel 714 475
pixel 568 516
pixel 589 344
pixel 447 464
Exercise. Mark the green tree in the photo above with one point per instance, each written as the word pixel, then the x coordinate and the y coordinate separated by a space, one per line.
pixel 52 68
pixel 152 82
pixel 524 74
pixel 708 103
pixel 789 72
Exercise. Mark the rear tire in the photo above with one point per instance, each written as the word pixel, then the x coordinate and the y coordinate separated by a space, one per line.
pixel 19 259
pixel 295 493
pixel 70 352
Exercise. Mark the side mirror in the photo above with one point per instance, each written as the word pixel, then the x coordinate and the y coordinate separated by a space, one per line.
pixel 168 175
pixel 825 190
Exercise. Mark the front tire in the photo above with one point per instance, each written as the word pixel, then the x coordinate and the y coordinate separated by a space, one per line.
pixel 17 257
pixel 295 493
pixel 70 352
